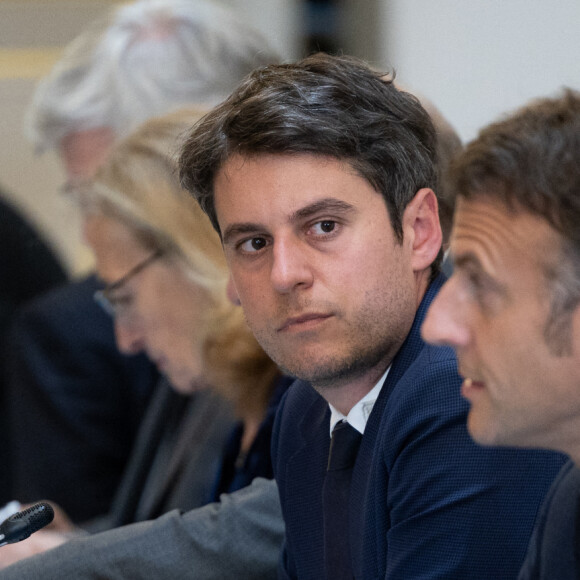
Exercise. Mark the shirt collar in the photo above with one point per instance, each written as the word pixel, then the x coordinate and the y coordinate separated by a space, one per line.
pixel 360 413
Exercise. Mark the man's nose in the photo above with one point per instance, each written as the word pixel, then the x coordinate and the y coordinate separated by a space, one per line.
pixel 290 265
pixel 446 322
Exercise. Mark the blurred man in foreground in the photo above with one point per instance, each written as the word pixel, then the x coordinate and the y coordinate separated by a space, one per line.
pixel 511 309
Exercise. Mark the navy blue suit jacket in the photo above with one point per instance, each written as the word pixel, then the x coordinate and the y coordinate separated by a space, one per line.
pixel 426 501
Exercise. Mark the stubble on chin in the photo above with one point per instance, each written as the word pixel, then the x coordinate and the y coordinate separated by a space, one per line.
pixel 344 351
pixel 326 370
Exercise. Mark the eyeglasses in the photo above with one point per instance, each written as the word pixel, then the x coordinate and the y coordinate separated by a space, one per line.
pixel 105 298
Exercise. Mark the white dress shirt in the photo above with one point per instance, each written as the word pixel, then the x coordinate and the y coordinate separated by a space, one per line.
pixel 360 413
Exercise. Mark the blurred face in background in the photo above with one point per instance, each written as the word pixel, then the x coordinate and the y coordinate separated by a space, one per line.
pixel 157 309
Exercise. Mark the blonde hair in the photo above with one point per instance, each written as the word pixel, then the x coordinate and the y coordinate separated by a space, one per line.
pixel 139 186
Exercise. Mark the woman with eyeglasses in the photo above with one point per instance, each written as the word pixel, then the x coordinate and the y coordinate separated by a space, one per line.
pixel 166 282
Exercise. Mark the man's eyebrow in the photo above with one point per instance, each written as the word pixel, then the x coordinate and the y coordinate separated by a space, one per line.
pixel 329 204
pixel 465 260
pixel 473 265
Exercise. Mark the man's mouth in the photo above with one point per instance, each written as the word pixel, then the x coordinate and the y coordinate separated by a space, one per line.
pixel 303 322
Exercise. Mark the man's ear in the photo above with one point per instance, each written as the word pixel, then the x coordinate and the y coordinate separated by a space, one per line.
pixel 422 230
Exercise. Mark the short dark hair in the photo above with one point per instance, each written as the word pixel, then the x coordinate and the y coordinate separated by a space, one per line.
pixel 530 161
pixel 333 106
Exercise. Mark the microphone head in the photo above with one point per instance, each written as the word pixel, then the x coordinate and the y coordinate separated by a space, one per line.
pixel 20 525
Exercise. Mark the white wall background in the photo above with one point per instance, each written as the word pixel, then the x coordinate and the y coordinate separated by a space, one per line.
pixel 476 59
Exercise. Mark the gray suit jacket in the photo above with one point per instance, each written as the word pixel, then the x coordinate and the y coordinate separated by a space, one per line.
pixel 238 538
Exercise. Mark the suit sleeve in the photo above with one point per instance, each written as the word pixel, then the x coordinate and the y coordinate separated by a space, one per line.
pixel 238 538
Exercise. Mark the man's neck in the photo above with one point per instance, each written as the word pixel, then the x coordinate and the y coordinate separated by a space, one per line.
pixel 347 394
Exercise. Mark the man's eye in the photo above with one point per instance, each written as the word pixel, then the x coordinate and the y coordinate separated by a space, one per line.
pixel 481 288
pixel 253 245
pixel 324 227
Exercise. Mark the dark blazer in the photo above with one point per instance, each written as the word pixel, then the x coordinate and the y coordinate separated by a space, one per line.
pixel 28 268
pixel 554 550
pixel 75 401
pixel 236 472
pixel 426 501
pixel 28 264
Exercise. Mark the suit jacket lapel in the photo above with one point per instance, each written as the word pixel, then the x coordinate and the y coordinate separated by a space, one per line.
pixel 150 433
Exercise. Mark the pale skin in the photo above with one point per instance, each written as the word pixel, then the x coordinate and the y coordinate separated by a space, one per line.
pixel 326 287
pixel 494 311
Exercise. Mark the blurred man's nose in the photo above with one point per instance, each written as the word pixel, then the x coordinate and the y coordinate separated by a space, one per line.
pixel 445 323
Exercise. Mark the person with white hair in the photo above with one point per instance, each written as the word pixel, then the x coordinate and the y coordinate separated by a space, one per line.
pixel 142 60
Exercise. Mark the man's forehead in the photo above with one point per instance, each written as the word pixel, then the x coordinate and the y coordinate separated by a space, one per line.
pixel 488 229
pixel 291 181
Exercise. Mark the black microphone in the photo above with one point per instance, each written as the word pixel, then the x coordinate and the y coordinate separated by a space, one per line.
pixel 20 525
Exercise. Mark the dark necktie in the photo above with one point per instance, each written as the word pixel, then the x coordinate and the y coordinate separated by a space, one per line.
pixel 335 500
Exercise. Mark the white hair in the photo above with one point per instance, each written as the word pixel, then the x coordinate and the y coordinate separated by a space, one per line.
pixel 144 59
